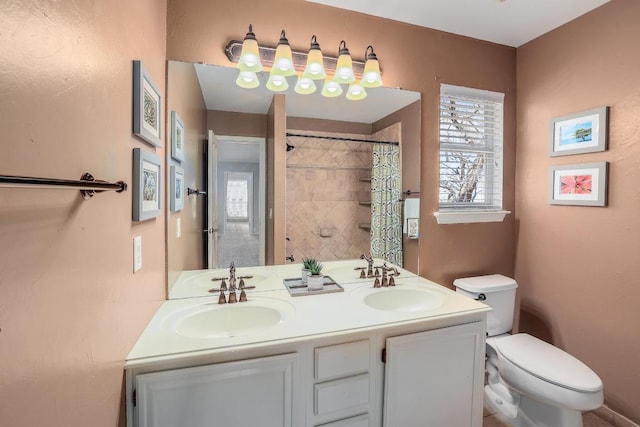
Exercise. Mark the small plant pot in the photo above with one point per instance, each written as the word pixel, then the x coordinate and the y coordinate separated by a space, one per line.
pixel 304 275
pixel 315 282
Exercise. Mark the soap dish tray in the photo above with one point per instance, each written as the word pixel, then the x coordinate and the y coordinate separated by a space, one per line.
pixel 296 288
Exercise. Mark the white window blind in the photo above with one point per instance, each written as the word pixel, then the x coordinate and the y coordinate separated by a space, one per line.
pixel 471 136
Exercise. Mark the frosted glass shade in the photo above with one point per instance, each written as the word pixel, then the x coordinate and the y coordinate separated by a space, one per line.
pixel 277 83
pixel 371 74
pixel 247 80
pixel 283 61
pixel 315 65
pixel 344 70
pixel 305 86
pixel 356 92
pixel 331 89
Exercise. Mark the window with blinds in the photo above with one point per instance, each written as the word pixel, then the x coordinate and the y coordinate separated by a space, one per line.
pixel 471 134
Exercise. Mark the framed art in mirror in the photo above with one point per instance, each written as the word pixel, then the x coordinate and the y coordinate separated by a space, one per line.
pixel 147 107
pixel 147 185
pixel 177 137
pixel 582 184
pixel 177 188
pixel 584 132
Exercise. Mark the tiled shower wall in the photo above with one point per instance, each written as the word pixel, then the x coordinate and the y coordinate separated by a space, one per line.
pixel 325 185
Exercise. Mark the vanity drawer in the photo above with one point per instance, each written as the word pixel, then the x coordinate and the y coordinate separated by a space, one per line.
pixel 359 421
pixel 341 360
pixel 341 394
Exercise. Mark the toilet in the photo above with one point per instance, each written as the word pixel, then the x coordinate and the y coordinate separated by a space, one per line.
pixel 530 383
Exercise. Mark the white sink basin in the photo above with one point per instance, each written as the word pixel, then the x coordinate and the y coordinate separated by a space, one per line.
pixel 404 300
pixel 212 320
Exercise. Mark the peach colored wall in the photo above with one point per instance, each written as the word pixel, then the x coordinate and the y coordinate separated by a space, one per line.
pixel 185 97
pixel 324 189
pixel 413 58
pixel 70 306
pixel 577 267
pixel 237 124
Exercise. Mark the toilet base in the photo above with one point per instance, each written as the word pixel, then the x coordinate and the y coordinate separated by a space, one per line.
pixel 522 411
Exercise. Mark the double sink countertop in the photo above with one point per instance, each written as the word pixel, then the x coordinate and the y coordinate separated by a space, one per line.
pixel 192 321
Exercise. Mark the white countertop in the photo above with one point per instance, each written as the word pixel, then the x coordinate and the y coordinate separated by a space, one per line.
pixel 301 316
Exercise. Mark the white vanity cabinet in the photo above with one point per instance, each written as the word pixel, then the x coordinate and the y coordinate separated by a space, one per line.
pixel 434 378
pixel 254 392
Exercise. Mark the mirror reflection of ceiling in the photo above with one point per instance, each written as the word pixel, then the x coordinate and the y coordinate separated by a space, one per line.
pixel 223 95
pixel 509 22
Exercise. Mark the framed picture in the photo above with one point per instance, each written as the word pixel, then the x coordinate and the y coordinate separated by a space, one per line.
pixel 147 107
pixel 147 185
pixel 582 184
pixel 177 137
pixel 584 132
pixel 177 188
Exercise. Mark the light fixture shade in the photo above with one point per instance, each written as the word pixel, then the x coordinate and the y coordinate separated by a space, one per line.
pixel 247 80
pixel 371 75
pixel 305 86
pixel 283 61
pixel 356 92
pixel 315 62
pixel 331 89
pixel 277 83
pixel 344 67
pixel 250 56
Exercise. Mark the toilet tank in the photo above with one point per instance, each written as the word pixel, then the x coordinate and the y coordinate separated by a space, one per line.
pixel 498 292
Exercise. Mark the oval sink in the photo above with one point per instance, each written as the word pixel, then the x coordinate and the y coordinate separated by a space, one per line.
pixel 404 300
pixel 213 320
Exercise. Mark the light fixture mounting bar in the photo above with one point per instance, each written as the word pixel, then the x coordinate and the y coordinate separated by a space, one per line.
pixel 267 53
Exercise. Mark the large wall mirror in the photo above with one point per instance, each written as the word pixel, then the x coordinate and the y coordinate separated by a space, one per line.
pixel 278 177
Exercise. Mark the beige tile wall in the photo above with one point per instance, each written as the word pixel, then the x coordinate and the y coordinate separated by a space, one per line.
pixel 323 195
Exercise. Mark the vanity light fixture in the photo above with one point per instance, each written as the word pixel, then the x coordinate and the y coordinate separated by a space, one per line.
pixel 371 75
pixel 344 68
pixel 250 55
pixel 315 62
pixel 311 65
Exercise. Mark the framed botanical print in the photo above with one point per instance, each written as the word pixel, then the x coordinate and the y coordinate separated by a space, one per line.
pixel 147 107
pixel 147 185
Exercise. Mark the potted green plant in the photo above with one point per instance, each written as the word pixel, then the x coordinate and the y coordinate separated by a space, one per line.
pixel 315 280
pixel 306 265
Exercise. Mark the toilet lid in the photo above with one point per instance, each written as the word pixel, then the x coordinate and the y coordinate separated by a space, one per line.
pixel 548 363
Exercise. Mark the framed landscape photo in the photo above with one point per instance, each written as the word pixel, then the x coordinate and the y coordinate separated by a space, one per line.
pixel 177 137
pixel 177 188
pixel 582 184
pixel 147 107
pixel 584 132
pixel 147 185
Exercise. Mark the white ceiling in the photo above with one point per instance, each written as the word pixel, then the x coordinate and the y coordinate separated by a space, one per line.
pixel 221 93
pixel 508 22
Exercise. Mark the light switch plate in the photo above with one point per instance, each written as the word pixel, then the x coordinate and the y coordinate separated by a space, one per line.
pixel 137 253
pixel 178 228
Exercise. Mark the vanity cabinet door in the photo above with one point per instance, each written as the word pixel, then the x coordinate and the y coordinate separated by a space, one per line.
pixel 435 378
pixel 255 392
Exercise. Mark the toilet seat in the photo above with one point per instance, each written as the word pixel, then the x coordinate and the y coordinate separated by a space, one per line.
pixel 548 363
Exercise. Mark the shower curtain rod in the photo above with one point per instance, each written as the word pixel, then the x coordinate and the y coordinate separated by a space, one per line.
pixel 338 138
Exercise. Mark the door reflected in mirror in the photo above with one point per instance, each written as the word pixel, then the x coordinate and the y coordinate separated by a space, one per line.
pixel 289 176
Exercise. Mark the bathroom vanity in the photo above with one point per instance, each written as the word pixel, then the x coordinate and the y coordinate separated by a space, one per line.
pixel 409 355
